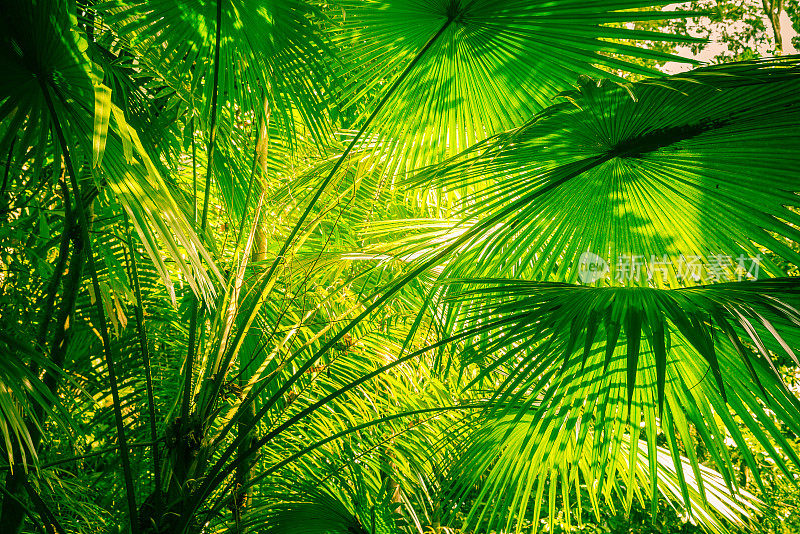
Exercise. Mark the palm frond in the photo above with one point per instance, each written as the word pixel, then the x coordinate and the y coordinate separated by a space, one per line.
pixel 493 64
pixel 579 368
pixel 667 181
pixel 42 52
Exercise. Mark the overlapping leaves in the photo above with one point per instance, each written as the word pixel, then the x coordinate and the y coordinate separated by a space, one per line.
pixel 489 64
pixel 650 177
pixel 43 59
pixel 580 370
pixel 266 48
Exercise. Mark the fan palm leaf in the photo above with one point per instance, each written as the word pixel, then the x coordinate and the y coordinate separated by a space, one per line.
pixel 580 368
pixel 266 49
pixel 489 66
pixel 669 181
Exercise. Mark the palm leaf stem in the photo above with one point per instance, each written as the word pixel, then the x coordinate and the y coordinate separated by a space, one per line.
pixel 259 152
pixel 52 526
pixel 244 471
pixel 58 271
pixel 148 374
pixel 103 327
pixel 11 495
pixel 187 386
pixel 5 175
pixel 99 452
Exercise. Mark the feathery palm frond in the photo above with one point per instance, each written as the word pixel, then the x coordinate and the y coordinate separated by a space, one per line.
pixel 43 59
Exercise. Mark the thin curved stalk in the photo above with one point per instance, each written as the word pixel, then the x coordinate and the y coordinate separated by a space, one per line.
pixel 187 386
pixel 103 327
pixel 5 175
pixel 212 134
pixel 50 521
pixel 242 487
pixel 194 174
pixel 96 453
pixel 55 281
pixel 148 374
pixel 12 496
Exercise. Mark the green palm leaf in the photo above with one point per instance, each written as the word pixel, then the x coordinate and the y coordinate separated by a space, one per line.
pixel 267 48
pixel 490 65
pixel 504 466
pixel 321 510
pixel 649 176
pixel 22 395
pixel 582 369
pixel 42 55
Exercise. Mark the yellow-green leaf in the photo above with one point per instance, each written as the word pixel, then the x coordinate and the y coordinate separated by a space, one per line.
pixel 102 115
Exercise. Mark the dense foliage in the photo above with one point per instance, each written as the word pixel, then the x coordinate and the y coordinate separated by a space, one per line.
pixel 393 266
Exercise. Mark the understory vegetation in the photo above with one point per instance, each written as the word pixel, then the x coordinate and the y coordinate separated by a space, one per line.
pixel 398 266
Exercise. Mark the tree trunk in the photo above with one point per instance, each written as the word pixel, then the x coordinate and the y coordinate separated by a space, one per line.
pixel 773 9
